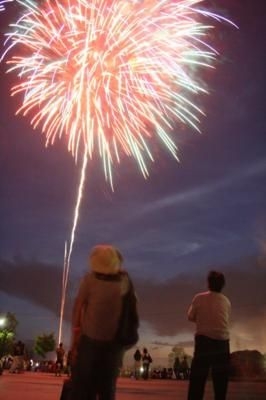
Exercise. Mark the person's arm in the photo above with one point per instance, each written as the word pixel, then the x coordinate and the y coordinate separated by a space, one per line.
pixel 80 300
pixel 191 314
pixel 76 316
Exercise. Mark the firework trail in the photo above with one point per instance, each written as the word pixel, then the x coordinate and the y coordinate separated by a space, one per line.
pixel 111 77
pixel 68 252
pixel 63 297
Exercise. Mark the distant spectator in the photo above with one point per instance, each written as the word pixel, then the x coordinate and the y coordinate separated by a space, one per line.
pixel 170 373
pixel 146 361
pixel 60 353
pixel 137 363
pixel 184 368
pixel 164 373
pixel 176 367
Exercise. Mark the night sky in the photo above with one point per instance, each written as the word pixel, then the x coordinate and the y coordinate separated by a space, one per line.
pixel 207 211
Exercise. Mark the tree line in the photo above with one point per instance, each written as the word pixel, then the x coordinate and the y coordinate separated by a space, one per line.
pixel 244 363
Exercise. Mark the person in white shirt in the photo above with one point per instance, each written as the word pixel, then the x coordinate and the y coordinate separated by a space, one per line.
pixel 210 311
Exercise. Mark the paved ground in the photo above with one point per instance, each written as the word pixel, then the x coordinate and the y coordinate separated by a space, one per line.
pixel 41 386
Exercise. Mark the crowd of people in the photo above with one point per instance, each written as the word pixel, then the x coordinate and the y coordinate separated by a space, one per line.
pixel 105 324
pixel 17 363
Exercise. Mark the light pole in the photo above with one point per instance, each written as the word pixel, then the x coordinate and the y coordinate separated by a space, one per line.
pixel 2 339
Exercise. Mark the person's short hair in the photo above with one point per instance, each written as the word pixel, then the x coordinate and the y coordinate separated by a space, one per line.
pixel 216 281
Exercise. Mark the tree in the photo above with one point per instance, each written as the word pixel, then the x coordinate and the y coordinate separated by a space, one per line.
pixel 44 343
pixel 7 333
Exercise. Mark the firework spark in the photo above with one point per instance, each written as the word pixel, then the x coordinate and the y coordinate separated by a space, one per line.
pixel 109 76
pixel 2 4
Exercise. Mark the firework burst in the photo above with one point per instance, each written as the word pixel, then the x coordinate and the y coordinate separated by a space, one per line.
pixel 110 75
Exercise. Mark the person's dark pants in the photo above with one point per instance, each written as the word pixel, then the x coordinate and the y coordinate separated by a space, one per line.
pixel 96 370
pixel 66 390
pixel 209 354
pixel 145 374
pixel 59 367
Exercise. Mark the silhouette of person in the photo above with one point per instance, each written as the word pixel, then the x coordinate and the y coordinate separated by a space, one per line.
pixel 60 353
pixel 176 367
pixel 137 363
pixel 184 368
pixel 146 361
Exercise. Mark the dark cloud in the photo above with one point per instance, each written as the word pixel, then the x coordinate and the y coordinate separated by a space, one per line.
pixel 183 343
pixel 162 304
pixel 34 281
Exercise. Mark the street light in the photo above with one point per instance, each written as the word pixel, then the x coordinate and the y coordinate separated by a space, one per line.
pixel 2 322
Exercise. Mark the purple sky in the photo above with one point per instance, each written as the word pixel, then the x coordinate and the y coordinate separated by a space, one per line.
pixel 206 211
